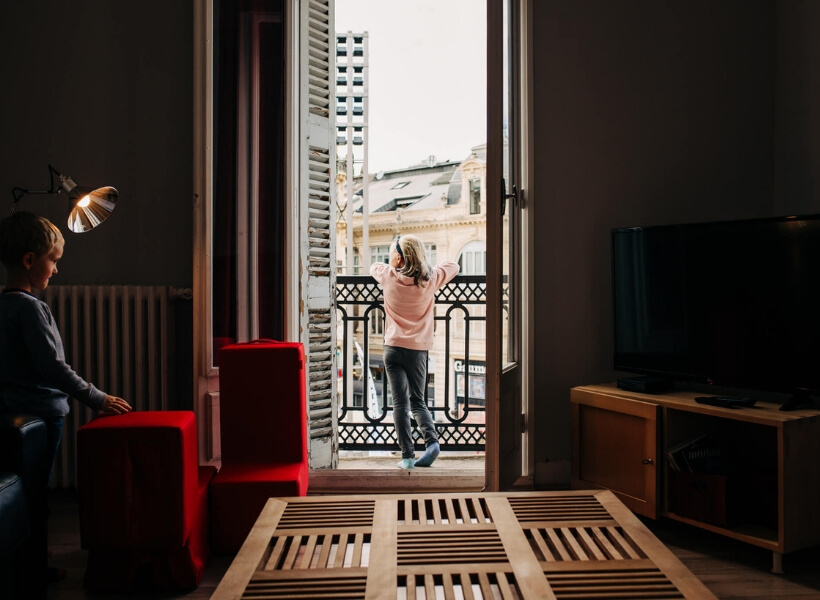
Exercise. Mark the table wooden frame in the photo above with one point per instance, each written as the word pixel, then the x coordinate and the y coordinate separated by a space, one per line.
pixel 526 545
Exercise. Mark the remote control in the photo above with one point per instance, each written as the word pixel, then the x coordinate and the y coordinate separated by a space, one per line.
pixel 726 401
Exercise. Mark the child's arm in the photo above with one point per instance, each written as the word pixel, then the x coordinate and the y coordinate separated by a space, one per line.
pixel 445 271
pixel 377 270
pixel 43 343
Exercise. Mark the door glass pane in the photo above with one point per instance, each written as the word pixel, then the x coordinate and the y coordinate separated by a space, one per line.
pixel 509 241
pixel 224 246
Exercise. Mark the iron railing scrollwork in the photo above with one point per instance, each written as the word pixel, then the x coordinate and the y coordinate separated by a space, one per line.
pixel 457 365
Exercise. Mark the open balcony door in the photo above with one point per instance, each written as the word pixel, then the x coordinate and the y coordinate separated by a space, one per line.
pixel 504 370
pixel 309 149
pixel 313 231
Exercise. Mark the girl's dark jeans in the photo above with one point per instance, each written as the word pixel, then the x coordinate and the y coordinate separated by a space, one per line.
pixel 407 375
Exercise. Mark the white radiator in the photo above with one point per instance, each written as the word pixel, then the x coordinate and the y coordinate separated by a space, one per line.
pixel 120 338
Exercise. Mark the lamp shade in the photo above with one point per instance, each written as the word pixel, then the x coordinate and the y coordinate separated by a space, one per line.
pixel 88 206
pixel 90 209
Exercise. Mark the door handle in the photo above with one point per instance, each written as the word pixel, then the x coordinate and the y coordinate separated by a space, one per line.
pixel 505 196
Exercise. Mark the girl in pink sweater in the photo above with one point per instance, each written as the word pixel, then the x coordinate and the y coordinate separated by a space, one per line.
pixel 410 284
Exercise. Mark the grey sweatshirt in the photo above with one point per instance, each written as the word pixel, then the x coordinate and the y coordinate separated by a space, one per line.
pixel 34 377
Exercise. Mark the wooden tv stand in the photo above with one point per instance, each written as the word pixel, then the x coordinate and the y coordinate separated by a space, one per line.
pixel 772 495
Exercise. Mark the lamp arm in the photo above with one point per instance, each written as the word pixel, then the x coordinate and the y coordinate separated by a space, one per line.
pixel 18 192
pixel 52 172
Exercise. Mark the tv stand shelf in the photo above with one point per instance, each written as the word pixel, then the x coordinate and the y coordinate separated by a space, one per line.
pixel 769 498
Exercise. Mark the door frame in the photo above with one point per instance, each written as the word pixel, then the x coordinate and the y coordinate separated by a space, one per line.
pixel 205 379
pixel 511 382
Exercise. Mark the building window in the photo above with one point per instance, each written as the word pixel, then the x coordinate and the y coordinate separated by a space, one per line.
pixel 404 202
pixel 476 392
pixel 379 254
pixel 357 263
pixel 475 196
pixel 473 259
pixel 376 322
pixel 430 250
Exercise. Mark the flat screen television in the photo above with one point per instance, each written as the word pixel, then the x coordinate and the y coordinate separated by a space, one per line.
pixel 733 304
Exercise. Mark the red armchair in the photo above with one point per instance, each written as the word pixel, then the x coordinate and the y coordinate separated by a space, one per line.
pixel 143 501
pixel 264 435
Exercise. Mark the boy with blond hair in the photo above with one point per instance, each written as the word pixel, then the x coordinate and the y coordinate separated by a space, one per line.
pixel 34 376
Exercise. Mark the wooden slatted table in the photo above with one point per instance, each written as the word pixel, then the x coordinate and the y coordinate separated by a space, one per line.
pixel 524 545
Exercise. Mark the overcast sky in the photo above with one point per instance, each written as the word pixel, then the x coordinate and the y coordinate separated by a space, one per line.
pixel 427 77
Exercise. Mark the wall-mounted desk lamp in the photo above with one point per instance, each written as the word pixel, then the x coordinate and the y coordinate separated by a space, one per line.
pixel 88 207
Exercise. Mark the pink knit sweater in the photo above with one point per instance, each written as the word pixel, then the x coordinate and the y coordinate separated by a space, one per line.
pixel 408 307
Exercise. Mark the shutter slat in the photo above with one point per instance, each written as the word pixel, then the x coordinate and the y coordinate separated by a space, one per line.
pixel 317 209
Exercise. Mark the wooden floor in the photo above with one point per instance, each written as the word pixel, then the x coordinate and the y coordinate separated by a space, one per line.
pixel 728 568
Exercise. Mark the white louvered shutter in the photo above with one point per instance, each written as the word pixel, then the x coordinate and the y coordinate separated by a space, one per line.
pixel 317 157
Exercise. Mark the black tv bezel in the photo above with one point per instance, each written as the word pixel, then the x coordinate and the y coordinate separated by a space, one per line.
pixel 799 396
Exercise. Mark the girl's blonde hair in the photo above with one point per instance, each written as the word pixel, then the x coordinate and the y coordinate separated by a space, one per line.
pixel 415 265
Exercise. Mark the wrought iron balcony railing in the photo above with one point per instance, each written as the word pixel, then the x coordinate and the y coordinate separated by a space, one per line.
pixel 455 390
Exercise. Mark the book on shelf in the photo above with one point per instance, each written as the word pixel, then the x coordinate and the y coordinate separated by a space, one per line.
pixel 674 453
pixel 696 454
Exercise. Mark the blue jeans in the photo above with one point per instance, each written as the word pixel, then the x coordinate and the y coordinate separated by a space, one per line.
pixel 407 375
pixel 54 433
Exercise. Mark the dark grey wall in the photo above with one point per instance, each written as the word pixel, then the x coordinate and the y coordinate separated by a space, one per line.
pixel 646 113
pixel 102 90
pixel 797 132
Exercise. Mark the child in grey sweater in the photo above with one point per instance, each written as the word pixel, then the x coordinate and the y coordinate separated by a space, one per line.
pixel 34 376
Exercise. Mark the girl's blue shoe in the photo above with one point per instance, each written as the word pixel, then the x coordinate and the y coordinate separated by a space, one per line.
pixel 406 464
pixel 429 455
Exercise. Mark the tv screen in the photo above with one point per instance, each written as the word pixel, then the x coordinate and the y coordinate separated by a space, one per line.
pixel 734 304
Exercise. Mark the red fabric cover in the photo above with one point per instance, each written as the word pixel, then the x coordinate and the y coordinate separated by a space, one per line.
pixel 239 493
pixel 294 474
pixel 264 435
pixel 175 568
pixel 262 410
pixel 143 501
